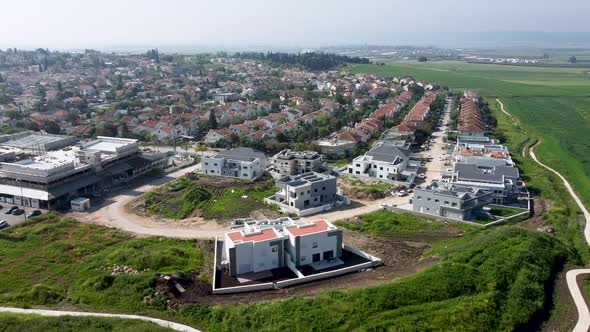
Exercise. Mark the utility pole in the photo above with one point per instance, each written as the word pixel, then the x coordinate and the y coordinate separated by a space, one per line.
pixel 20 183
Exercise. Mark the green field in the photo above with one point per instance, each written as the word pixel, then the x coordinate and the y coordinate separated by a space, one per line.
pixel 553 105
pixel 385 222
pixel 34 323
pixel 493 282
pixel 209 197
pixel 53 261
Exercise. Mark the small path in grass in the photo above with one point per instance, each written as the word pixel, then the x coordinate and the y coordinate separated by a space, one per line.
pixel 583 324
pixel 58 313
pixel 502 108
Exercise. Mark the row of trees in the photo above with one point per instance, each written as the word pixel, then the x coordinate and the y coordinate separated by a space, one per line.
pixel 308 60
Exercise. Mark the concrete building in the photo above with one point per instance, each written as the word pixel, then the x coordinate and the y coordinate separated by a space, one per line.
pixel 225 97
pixel 271 244
pixel 313 242
pixel 336 147
pixel 254 249
pixel 449 200
pixel 35 142
pixel 384 162
pixel 241 163
pixel 52 179
pixel 501 181
pixel 307 193
pixel 288 162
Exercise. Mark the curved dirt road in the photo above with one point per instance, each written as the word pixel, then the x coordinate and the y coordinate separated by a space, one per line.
pixel 57 313
pixel 583 323
pixel 502 108
pixel 114 214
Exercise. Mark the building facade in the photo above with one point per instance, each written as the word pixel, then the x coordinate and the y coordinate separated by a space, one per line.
pixel 306 191
pixel 267 245
pixel 241 163
pixel 385 162
pixel 448 200
pixel 289 162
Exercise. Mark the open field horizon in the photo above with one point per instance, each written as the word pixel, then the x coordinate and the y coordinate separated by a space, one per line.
pixel 552 104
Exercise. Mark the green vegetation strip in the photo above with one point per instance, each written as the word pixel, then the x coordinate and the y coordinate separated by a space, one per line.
pixel 19 323
pixel 53 260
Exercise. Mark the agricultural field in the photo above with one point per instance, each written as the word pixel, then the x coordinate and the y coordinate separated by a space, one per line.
pixel 552 104
pixel 207 197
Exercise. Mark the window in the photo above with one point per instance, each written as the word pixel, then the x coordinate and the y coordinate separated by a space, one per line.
pixel 314 245
pixel 428 199
pixel 245 167
pixel 374 166
pixel 446 202
pixel 315 190
pixel 436 200
pixel 358 165
pixel 324 188
pixel 419 197
pixel 206 163
pixel 380 168
pixel 215 164
pixel 454 204
pixel 244 175
pixel 275 249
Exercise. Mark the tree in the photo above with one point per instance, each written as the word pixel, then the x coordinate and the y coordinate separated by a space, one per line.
pixel 201 148
pixel 51 127
pixel 212 120
pixel 572 59
pixel 422 59
pixel 60 87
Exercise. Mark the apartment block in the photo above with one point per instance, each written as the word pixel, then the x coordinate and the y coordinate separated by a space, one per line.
pixel 241 163
pixel 288 162
pixel 449 200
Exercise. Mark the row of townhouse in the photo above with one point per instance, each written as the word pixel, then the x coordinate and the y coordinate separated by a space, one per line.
pixel 484 173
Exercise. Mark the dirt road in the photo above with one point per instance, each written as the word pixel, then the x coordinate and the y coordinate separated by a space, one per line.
pixel 583 324
pixel 58 313
pixel 114 214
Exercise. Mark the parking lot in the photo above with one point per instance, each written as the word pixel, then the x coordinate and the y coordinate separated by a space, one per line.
pixel 12 219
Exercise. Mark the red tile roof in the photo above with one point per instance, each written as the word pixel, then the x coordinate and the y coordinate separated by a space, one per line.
pixel 316 227
pixel 266 234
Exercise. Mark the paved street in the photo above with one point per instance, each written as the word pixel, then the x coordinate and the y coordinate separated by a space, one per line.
pixel 439 149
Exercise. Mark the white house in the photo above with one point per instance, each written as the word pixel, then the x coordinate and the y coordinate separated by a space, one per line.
pixel 385 162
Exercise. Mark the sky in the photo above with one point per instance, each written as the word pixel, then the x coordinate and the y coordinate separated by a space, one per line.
pixel 103 23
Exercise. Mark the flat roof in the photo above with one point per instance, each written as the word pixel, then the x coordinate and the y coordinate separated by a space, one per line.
pixel 310 227
pixel 107 144
pixel 262 235
pixel 34 140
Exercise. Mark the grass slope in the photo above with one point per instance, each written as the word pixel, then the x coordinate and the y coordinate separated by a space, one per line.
pixel 19 323
pixel 52 261
pixel 495 282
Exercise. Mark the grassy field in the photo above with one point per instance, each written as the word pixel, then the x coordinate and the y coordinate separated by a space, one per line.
pixel 493 282
pixel 385 222
pixel 52 261
pixel 33 323
pixel 553 105
pixel 210 197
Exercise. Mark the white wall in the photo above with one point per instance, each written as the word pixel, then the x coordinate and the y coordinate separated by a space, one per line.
pixel 324 243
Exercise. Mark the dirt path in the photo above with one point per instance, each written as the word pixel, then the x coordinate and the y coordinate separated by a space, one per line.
pixel 502 108
pixel 114 214
pixel 58 313
pixel 571 276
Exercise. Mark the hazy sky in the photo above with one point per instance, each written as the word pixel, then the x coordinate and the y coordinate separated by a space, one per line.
pixel 80 23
